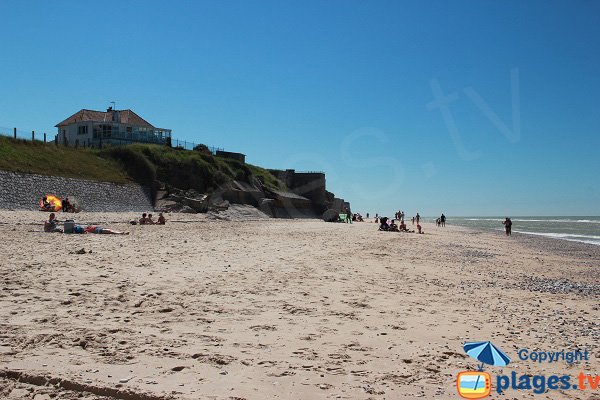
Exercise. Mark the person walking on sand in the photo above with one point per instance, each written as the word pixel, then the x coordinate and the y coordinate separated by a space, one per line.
pixel 508 226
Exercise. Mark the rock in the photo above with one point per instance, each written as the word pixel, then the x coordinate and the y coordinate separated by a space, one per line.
pixel 177 369
pixel 187 209
pixel 331 216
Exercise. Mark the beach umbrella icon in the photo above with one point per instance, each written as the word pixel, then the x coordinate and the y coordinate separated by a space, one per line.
pixel 486 353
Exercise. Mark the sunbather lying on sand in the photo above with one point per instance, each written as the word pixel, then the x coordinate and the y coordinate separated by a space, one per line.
pixel 96 229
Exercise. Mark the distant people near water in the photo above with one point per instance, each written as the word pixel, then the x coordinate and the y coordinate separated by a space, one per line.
pixel 51 225
pixel 161 219
pixel 413 220
pixel 508 226
pixel 438 222
pixel 418 218
pixel 443 220
pixel 367 215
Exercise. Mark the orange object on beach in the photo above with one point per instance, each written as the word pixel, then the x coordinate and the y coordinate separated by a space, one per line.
pixel 52 203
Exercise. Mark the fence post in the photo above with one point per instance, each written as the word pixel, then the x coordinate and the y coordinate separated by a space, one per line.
pixel 32 136
pixel 44 137
pixel 15 132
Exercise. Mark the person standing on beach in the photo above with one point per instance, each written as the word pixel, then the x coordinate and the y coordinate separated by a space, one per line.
pixel 418 218
pixel 443 220
pixel 508 226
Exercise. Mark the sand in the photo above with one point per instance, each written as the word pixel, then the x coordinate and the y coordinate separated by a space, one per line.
pixel 277 309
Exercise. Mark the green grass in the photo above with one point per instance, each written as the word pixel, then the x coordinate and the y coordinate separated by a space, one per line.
pixel 48 159
pixel 142 163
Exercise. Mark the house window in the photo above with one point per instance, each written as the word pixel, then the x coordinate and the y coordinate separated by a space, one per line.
pixel 102 131
pixel 82 130
pixel 106 130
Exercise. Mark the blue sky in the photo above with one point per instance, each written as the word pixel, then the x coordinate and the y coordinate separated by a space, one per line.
pixel 346 87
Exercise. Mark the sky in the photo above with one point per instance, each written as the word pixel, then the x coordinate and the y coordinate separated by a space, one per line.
pixel 462 107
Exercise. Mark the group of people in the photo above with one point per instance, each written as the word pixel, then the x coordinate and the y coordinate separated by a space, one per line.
pixel 385 224
pixel 146 219
pixel 52 226
pixel 357 218
pixel 65 205
pixel 441 221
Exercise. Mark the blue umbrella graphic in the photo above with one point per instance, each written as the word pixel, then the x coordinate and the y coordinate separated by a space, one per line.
pixel 487 353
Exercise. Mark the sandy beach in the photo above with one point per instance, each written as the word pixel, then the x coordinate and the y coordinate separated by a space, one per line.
pixel 283 309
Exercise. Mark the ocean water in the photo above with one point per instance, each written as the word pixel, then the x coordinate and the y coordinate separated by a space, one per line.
pixel 576 229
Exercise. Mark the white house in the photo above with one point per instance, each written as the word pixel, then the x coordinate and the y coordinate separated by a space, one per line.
pixel 95 128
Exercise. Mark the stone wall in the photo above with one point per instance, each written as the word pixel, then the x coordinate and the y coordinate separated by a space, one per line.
pixel 23 192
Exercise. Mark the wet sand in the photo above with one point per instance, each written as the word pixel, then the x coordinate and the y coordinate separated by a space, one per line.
pixel 277 309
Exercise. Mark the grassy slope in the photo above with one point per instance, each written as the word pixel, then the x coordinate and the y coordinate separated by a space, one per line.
pixel 48 159
pixel 142 163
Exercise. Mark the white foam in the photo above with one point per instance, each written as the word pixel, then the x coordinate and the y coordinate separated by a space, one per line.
pixel 586 221
pixel 590 239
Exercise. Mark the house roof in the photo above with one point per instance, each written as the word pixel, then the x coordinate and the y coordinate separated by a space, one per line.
pixel 127 117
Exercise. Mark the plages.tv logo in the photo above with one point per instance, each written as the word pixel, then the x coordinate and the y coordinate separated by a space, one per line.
pixel 478 384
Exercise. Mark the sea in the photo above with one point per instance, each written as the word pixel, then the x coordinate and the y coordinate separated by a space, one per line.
pixel 576 229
